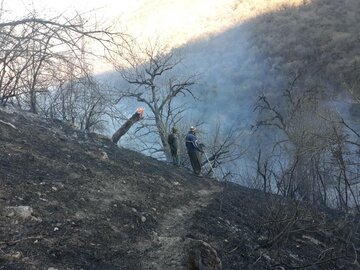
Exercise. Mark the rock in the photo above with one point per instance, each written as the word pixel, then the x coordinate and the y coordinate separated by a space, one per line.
pixel 10 214
pixel 201 255
pixel 104 156
pixel 3 195
pixel 143 219
pixel 21 211
pixel 74 176
pixel 17 255
pixel 13 256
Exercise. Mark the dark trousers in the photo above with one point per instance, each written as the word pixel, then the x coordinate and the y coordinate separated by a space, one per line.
pixel 195 163
pixel 175 157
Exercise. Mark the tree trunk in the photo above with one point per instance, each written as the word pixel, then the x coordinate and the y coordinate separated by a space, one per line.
pixel 163 137
pixel 33 108
pixel 138 115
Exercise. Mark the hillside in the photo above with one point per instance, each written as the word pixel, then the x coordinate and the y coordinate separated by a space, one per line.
pixel 318 39
pixel 70 200
pixel 319 35
pixel 261 53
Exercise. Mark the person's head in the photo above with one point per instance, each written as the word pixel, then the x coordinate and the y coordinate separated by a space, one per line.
pixel 174 130
pixel 192 129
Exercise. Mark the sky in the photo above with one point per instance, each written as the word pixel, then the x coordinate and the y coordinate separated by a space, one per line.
pixel 172 22
pixel 176 21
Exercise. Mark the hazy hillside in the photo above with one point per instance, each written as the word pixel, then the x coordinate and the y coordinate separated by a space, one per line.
pixel 231 74
pixel 318 39
pixel 320 35
pixel 70 200
pixel 259 54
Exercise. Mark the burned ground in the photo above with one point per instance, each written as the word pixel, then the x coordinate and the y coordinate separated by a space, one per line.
pixel 97 206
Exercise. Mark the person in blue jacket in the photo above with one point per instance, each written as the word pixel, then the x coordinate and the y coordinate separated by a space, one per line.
pixel 193 149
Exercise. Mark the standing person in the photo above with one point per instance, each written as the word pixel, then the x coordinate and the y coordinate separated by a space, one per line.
pixel 173 143
pixel 193 148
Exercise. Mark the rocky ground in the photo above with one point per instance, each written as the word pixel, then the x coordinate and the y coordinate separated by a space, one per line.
pixel 70 200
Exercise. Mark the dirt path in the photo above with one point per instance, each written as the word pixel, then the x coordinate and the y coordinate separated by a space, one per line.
pixel 167 251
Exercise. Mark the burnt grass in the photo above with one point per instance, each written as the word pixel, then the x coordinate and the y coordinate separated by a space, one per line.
pixel 99 206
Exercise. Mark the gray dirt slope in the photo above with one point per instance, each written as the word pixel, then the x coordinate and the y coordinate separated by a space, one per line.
pixel 70 200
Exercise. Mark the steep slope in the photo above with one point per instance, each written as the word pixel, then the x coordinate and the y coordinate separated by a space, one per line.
pixel 95 206
pixel 70 200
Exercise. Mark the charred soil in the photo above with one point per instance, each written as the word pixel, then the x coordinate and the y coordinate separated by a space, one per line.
pixel 92 205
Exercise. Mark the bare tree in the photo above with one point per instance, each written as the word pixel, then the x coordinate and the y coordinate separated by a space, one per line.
pixel 222 150
pixel 35 49
pixel 150 73
pixel 76 98
pixel 303 138
pixel 316 149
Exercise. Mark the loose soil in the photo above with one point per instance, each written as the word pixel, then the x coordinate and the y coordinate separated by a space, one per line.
pixel 98 206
